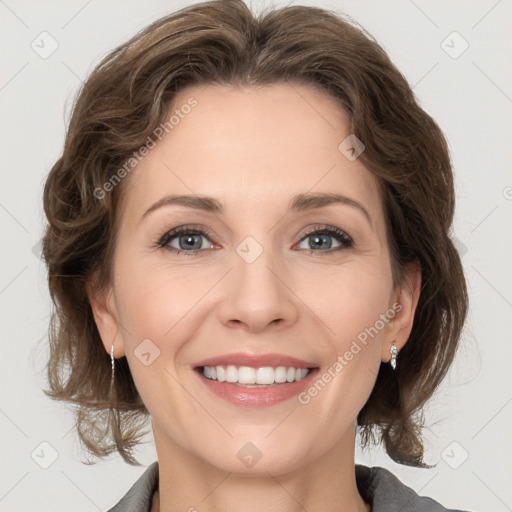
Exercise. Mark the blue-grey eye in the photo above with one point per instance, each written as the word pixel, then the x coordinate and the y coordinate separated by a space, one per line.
pixel 322 239
pixel 188 241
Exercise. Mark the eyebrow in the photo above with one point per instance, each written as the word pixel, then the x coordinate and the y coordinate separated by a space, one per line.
pixel 299 203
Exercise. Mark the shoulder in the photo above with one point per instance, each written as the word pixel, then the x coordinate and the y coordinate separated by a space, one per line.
pixel 387 493
pixel 140 495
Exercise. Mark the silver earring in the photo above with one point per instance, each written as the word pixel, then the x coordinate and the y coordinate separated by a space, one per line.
pixel 113 366
pixel 394 351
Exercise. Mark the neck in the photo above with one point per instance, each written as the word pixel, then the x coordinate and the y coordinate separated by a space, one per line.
pixel 190 484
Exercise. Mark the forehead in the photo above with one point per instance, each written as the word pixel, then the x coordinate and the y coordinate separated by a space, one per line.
pixel 251 146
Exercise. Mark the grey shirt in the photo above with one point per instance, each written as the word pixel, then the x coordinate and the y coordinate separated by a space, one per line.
pixel 376 485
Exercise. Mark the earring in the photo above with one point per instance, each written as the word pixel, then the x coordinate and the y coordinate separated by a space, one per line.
pixel 113 366
pixel 394 352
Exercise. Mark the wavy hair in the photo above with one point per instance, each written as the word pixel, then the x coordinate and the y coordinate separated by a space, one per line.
pixel 128 95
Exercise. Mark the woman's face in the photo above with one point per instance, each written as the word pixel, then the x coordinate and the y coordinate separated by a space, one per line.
pixel 258 279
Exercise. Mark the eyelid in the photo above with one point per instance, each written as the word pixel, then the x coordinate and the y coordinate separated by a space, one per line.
pixel 324 227
pixel 344 238
pixel 162 240
pixel 201 230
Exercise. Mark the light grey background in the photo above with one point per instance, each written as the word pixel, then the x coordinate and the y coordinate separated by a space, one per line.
pixel 469 96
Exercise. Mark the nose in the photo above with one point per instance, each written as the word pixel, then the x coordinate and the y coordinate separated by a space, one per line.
pixel 257 295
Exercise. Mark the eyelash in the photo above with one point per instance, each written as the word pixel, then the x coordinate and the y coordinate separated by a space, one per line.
pixel 161 243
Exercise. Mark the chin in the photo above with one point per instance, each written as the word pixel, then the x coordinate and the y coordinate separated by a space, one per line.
pixel 260 456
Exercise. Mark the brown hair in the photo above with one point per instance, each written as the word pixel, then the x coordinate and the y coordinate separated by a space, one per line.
pixel 129 94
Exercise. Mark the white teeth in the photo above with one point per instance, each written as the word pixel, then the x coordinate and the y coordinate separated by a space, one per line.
pixel 280 374
pixel 221 373
pixel 264 375
pixel 248 375
pixel 231 374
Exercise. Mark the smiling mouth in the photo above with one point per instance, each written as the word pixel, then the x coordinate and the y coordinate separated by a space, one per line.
pixel 250 377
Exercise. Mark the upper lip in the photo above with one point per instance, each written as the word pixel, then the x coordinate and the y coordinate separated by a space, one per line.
pixel 256 361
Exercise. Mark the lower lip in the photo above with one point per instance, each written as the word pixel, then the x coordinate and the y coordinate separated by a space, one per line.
pixel 256 397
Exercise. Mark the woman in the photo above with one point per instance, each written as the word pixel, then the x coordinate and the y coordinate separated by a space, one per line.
pixel 248 243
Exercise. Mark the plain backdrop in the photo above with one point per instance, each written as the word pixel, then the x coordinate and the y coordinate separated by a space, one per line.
pixel 467 90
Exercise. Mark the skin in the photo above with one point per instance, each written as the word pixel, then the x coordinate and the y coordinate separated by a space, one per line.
pixel 253 149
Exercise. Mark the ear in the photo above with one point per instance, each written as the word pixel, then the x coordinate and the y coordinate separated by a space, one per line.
pixel 404 303
pixel 105 314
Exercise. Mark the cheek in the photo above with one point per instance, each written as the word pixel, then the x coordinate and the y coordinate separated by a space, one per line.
pixel 154 307
pixel 156 298
pixel 169 305
pixel 354 308
pixel 352 300
pixel 161 309
pixel 163 304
